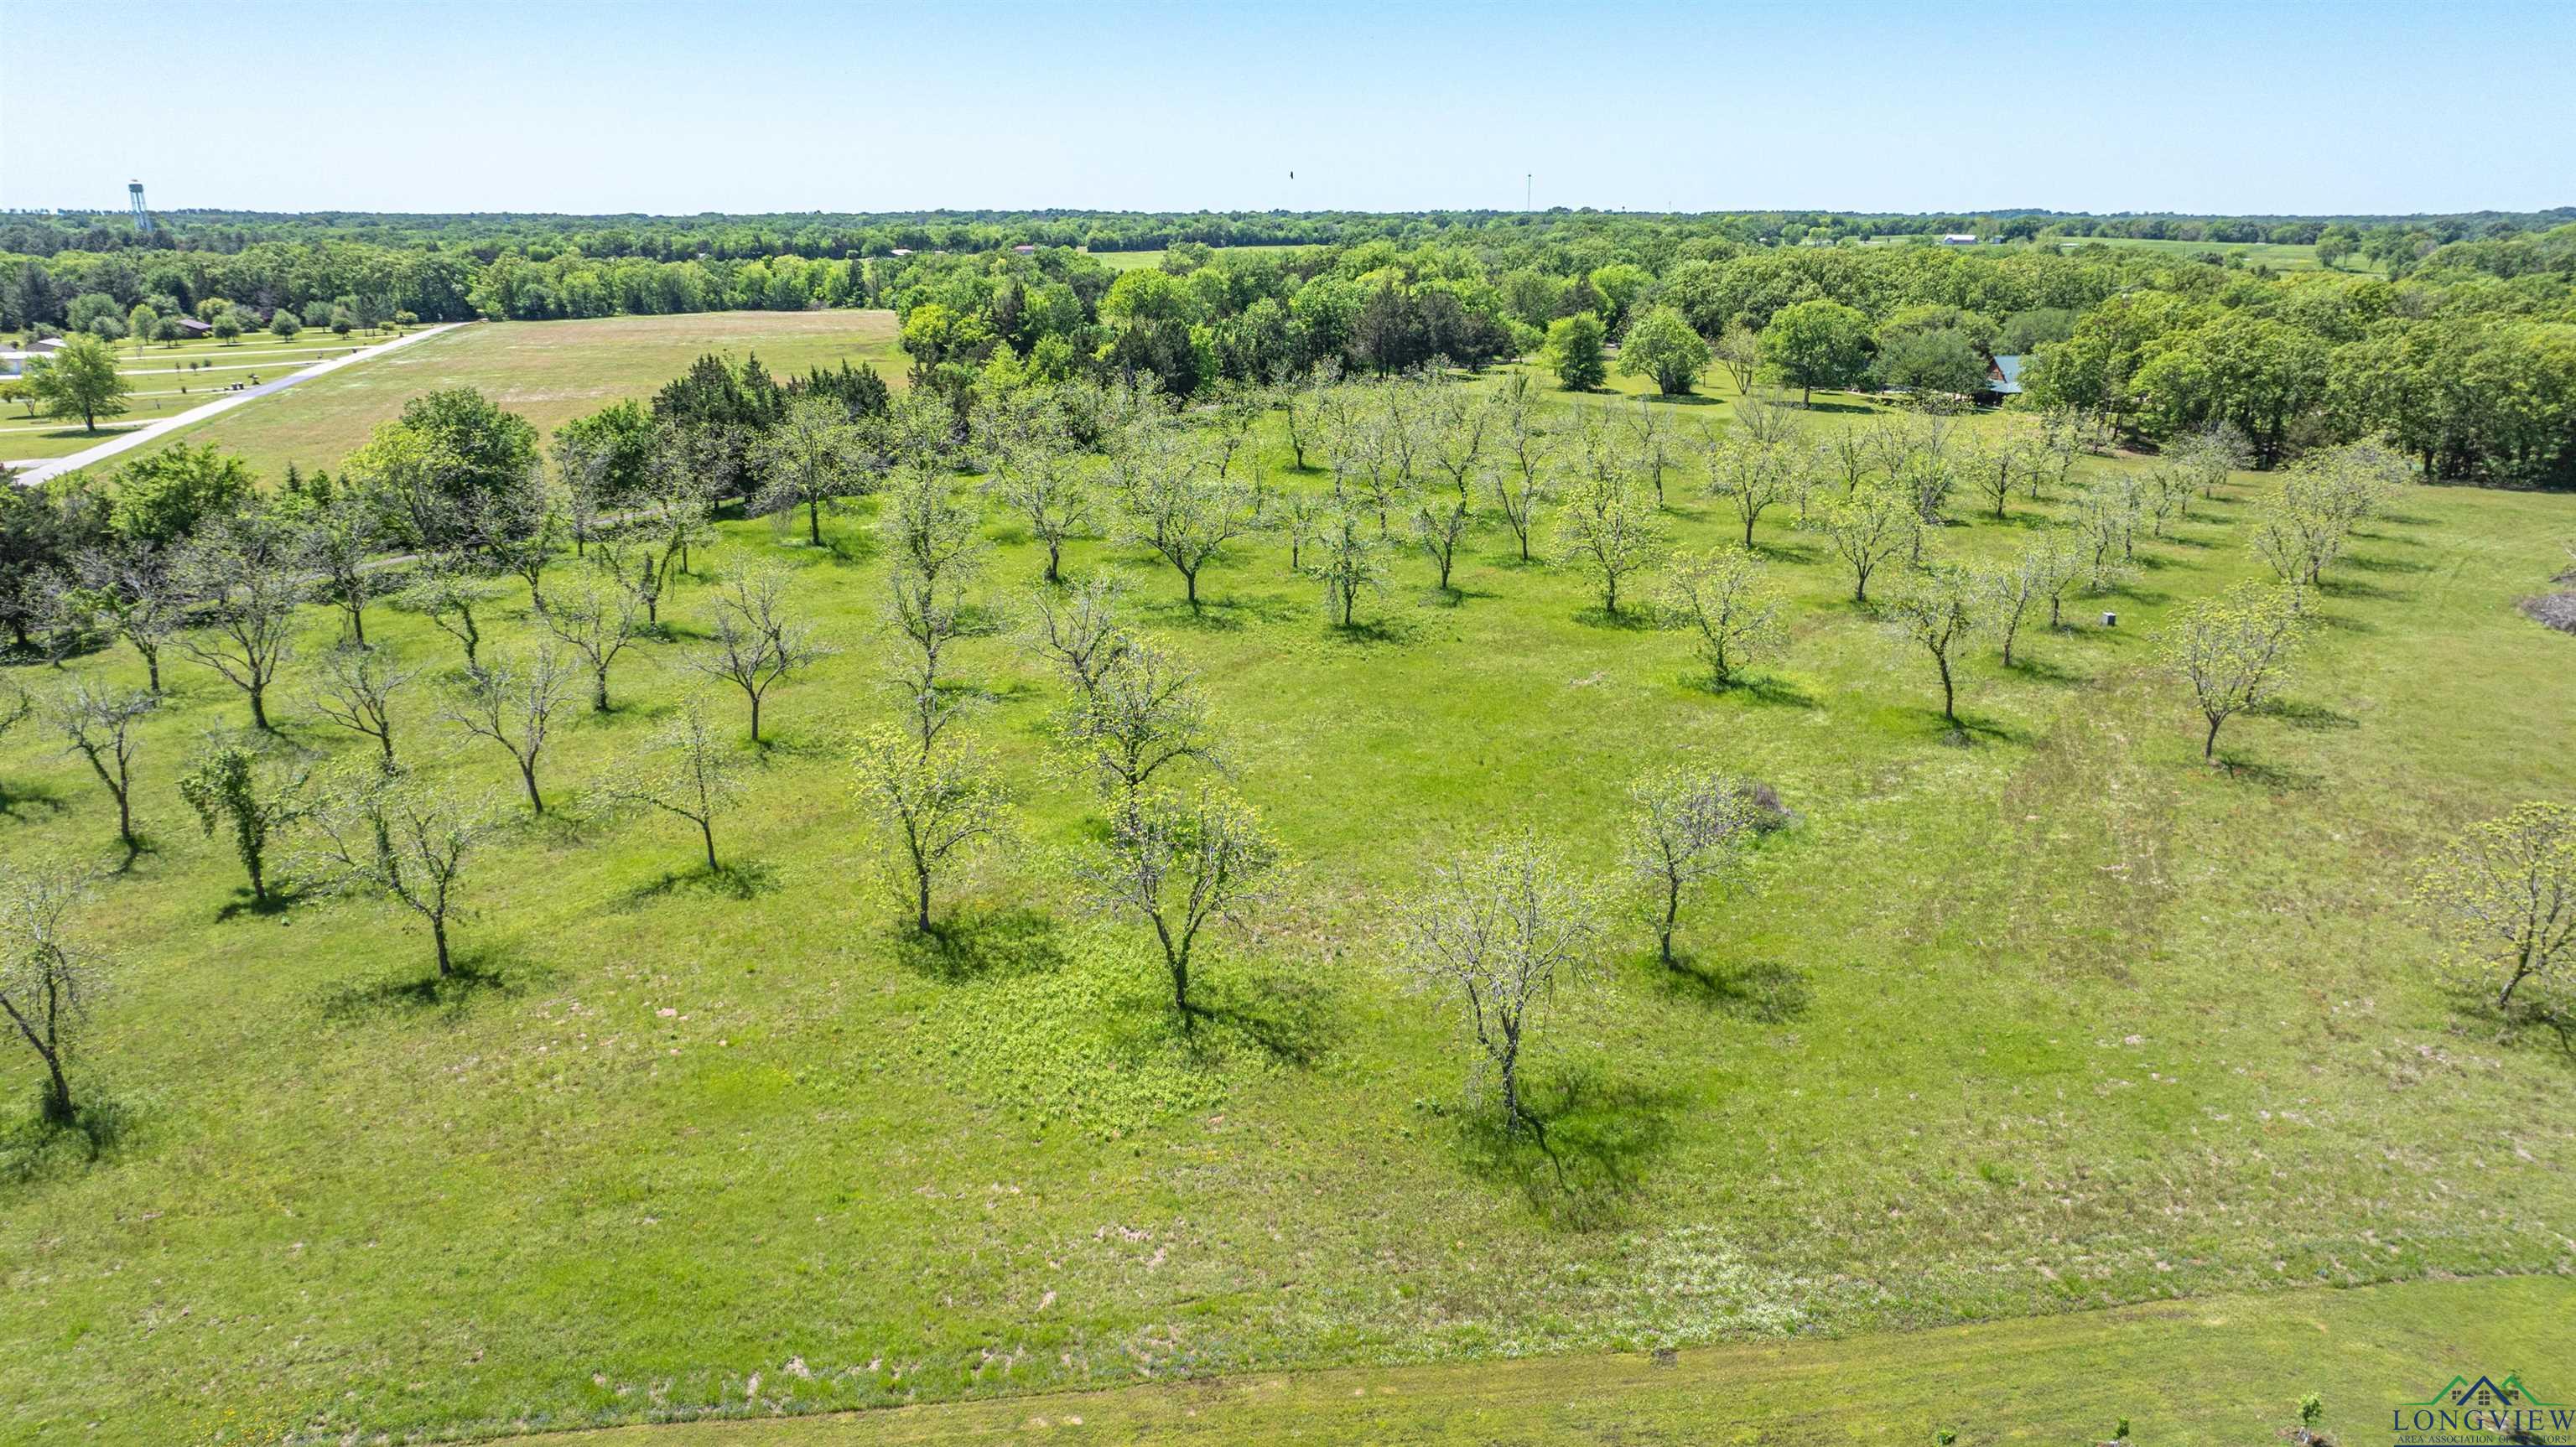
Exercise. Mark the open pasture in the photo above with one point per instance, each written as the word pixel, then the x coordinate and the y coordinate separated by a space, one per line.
pixel 548 372
pixel 2047 1018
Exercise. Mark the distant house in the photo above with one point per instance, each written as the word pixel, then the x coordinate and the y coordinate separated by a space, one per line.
pixel 1024 249
pixel 900 251
pixel 2003 380
pixel 190 326
pixel 49 346
pixel 1959 238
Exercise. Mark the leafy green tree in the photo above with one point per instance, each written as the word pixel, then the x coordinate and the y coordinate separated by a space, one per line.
pixel 140 324
pixel 1662 345
pixel 80 381
pixel 1942 362
pixel 243 792
pixel 1816 344
pixel 1181 865
pixel 2234 650
pixel 164 497
pixel 1619 285
pixel 1874 523
pixel 815 456
pixel 228 328
pixel 285 324
pixel 1574 352
pixel 2505 893
pixel 1349 559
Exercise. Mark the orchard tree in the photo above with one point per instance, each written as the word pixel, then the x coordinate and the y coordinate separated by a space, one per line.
pixel 1813 344
pixel 515 706
pixel 1349 561
pixel 405 842
pixel 1181 865
pixel 47 979
pixel 1686 828
pixel 1188 513
pixel 130 594
pixel 247 580
pixel 2234 650
pixel 454 596
pixel 815 456
pixel 1575 352
pixel 1721 596
pixel 2505 894
pixel 1873 524
pixel 80 381
pixel 1607 530
pixel 1078 630
pixel 357 693
pixel 1938 612
pixel 687 772
pixel 166 497
pixel 1753 475
pixel 1146 714
pixel 341 542
pixel 1739 351
pixel 1661 345
pixel 596 618
pixel 248 795
pixel 2041 570
pixel 105 727
pixel 1041 477
pixel 937 808
pixel 757 642
pixel 1497 934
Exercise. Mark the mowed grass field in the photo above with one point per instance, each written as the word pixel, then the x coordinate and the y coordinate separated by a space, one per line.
pixel 2223 1369
pixel 2056 1020
pixel 170 378
pixel 547 372
pixel 2279 256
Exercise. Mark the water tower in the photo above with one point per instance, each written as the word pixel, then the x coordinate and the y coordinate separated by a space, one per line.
pixel 142 218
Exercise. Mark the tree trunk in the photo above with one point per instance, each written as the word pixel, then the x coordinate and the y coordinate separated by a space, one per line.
pixel 1190 582
pixel 921 899
pixel 755 717
pixel 152 669
pixel 438 936
pixel 814 521
pixel 707 832
pixel 2209 745
pixel 1055 560
pixel 1949 694
pixel 528 771
pixel 258 879
pixel 259 708
pixel 1672 914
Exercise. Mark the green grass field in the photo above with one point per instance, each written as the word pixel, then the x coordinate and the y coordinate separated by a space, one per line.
pixel 548 372
pixel 166 380
pixel 2225 1369
pixel 2054 1021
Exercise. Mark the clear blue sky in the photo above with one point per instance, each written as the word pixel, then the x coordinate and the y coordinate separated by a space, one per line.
pixel 571 105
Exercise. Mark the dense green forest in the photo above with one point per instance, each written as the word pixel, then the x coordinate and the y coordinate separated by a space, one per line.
pixel 2453 337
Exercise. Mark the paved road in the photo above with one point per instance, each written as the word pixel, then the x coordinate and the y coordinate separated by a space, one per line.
pixel 38 471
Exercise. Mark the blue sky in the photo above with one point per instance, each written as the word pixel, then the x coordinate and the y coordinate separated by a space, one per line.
pixel 571 105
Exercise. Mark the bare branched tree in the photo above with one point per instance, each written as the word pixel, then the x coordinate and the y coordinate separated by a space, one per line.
pixel 1181 865
pixel 688 772
pixel 515 705
pixel 47 979
pixel 403 841
pixel 105 727
pixel 244 573
pixel 1496 934
pixel 757 643
pixel 937 809
pixel 357 693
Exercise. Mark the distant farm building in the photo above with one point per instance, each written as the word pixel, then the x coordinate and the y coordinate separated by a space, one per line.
pixel 2003 381
pixel 1959 238
pixel 195 328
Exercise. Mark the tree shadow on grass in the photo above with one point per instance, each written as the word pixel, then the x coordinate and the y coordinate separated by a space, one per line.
pixel 1972 730
pixel 1756 688
pixel 2278 778
pixel 38 794
pixel 42 1140
pixel 2040 670
pixel 2306 715
pixel 1798 554
pixel 419 994
pixel 1577 1156
pixel 739 879
pixel 1290 1020
pixel 2369 564
pixel 1394 630
pixel 1631 619
pixel 279 901
pixel 1759 992
pixel 2355 588
pixel 982 944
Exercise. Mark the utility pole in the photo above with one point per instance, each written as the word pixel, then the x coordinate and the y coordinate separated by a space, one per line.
pixel 1525 190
